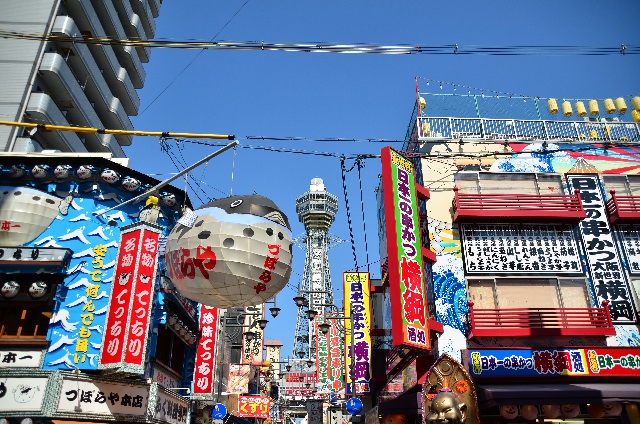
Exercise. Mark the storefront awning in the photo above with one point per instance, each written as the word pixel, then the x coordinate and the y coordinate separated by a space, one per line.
pixel 409 403
pixel 514 394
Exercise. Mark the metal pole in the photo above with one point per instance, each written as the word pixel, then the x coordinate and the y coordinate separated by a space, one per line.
pixel 168 180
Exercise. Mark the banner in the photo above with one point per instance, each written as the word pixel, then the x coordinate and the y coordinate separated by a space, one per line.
pixel 358 331
pixel 205 353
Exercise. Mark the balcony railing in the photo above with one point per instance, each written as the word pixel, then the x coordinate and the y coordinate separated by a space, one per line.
pixel 482 207
pixel 534 322
pixel 515 129
pixel 623 209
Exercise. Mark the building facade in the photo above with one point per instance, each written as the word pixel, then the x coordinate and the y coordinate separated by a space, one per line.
pixel 533 220
pixel 55 71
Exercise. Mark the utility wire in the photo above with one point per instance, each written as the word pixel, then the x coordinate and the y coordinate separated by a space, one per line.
pixel 324 47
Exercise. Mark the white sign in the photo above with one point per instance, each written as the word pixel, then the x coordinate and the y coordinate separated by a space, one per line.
pixel 163 378
pixel 170 409
pixel 102 398
pixel 521 249
pixel 22 394
pixel 18 358
pixel 630 236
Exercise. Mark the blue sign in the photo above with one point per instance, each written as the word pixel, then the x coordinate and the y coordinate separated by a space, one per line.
pixel 219 411
pixel 333 398
pixel 354 406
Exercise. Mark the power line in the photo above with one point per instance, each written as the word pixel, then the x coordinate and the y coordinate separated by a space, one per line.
pixel 351 48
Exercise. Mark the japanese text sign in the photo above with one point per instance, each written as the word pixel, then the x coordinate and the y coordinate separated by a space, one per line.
pixel 605 270
pixel 254 406
pixel 252 349
pixel 358 331
pixel 127 324
pixel 595 362
pixel 205 352
pixel 330 356
pixel 404 248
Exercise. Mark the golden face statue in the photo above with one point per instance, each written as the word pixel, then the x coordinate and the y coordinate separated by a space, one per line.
pixel 445 409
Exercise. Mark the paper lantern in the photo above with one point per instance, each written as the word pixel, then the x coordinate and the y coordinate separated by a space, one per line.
pixel 596 410
pixel 529 412
pixel 236 253
pixel 509 411
pixel 62 171
pixel 621 105
pixel 553 106
pixel 130 184
pixel 551 411
pixel 594 110
pixel 37 289
pixel 10 289
pixel 110 176
pixel 609 106
pixel 423 103
pixel 17 171
pixel 30 212
pixel 612 409
pixel 168 199
pixel 40 171
pixel 85 171
pixel 632 412
pixel 581 111
pixel 570 410
pixel 566 109
pixel 635 114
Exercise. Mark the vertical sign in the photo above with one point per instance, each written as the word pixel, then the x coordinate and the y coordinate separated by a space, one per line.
pixel 322 354
pixel 205 352
pixel 314 411
pixel 120 301
pixel 358 335
pixel 605 270
pixel 252 349
pixel 127 323
pixel 405 261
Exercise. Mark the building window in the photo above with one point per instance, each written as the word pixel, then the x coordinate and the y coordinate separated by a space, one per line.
pixel 24 320
pixel 496 293
pixel 170 350
pixel 509 183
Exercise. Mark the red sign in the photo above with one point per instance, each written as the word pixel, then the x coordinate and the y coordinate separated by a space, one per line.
pixel 120 301
pixel 254 406
pixel 205 358
pixel 127 322
pixel 142 297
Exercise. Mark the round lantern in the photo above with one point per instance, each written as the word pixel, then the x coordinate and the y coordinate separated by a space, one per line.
pixel 509 411
pixel 39 171
pixel 62 171
pixel 37 289
pixel 110 176
pixel 85 171
pixel 612 409
pixel 130 184
pixel 570 410
pixel 168 199
pixel 10 289
pixel 529 412
pixel 551 411
pixel 596 410
pixel 237 253
pixel 17 171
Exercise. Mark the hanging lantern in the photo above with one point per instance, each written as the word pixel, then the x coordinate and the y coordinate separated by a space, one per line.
pixel 566 109
pixel 570 410
pixel 596 410
pixel 40 171
pixel 553 106
pixel 10 289
pixel 62 171
pixel 37 289
pixel 130 184
pixel 168 199
pixel 110 176
pixel 612 409
pixel 509 412
pixel 635 102
pixel 635 114
pixel 17 171
pixel 529 412
pixel 594 109
pixel 238 252
pixel 423 103
pixel 632 412
pixel 609 106
pixel 621 105
pixel 551 411
pixel 85 171
pixel 581 111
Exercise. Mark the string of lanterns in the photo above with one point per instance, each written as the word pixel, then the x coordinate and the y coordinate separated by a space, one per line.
pixel 181 329
pixel 610 106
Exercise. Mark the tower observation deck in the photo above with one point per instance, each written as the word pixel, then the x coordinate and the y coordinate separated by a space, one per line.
pixel 317 210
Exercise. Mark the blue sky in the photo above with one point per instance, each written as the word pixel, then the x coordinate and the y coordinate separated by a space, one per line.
pixel 350 96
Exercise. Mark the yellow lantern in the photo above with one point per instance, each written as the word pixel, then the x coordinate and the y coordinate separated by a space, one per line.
pixel 621 105
pixel 635 114
pixel 580 109
pixel 635 101
pixel 529 412
pixel 566 109
pixel 423 103
pixel 553 106
pixel 609 106
pixel 594 110
pixel 632 413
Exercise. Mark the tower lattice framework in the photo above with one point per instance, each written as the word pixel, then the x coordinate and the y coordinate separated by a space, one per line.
pixel 316 209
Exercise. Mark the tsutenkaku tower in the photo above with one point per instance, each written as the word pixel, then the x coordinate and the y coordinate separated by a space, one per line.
pixel 316 210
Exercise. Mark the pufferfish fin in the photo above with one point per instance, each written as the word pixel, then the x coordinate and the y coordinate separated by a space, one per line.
pixel 276 217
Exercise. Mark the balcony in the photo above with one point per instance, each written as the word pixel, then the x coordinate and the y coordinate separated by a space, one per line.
pixel 541 322
pixel 516 207
pixel 623 209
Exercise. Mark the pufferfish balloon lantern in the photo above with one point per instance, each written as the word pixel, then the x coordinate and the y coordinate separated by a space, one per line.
pixel 236 253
